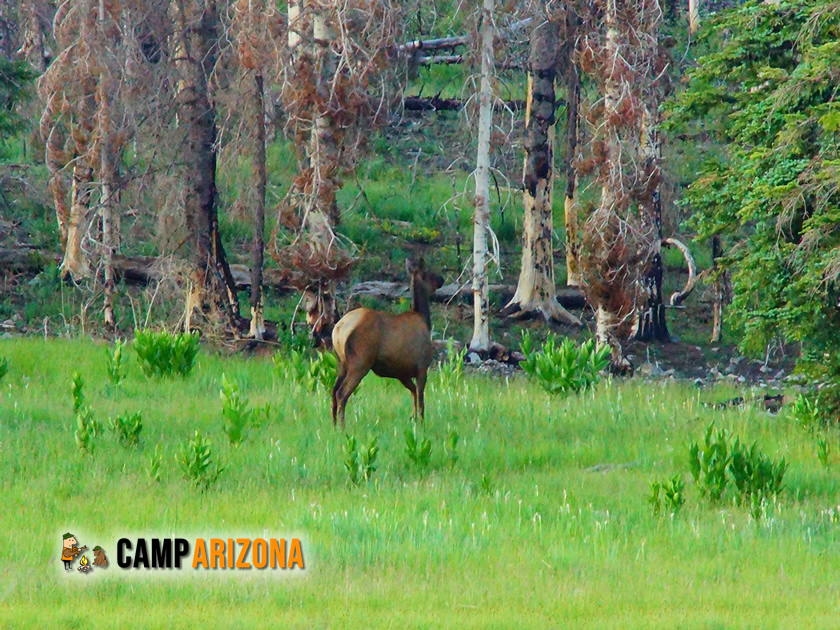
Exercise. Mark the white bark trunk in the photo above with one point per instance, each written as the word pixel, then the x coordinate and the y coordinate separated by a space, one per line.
pixel 107 169
pixel 693 15
pixel 606 327
pixel 75 262
pixel 481 329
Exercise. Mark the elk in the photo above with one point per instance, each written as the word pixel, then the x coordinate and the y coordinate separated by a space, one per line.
pixel 393 346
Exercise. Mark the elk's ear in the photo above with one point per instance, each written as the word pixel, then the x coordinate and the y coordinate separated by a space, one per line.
pixel 409 266
pixel 421 264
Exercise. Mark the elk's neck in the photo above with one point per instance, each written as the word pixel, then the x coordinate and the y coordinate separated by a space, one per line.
pixel 420 303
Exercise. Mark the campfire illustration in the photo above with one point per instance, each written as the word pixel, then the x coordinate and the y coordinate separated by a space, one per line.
pixel 84 567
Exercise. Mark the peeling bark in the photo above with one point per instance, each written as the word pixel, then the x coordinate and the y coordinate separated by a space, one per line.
pixel 535 291
pixel 607 325
pixel 571 209
pixel 651 323
pixel 75 264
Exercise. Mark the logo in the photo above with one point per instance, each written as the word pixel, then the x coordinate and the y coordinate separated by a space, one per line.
pixel 71 550
pixel 270 554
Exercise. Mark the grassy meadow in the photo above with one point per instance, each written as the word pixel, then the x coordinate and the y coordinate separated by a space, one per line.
pixel 541 520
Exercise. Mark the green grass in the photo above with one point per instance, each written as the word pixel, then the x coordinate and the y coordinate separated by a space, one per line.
pixel 550 541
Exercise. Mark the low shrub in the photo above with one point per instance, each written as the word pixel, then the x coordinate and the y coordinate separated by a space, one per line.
pixel 564 368
pixel 163 354
pixel 195 459
pixel 127 428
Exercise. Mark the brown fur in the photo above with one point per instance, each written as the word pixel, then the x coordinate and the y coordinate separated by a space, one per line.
pixel 392 346
pixel 99 558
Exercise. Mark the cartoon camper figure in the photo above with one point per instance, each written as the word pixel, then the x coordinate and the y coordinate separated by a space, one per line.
pixel 70 550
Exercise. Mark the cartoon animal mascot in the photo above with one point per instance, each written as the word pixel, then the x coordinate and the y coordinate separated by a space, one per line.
pixel 99 559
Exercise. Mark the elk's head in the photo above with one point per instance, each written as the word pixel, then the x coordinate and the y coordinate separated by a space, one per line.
pixel 421 278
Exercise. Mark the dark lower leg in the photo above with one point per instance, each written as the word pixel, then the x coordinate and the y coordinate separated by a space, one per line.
pixel 421 388
pixel 409 385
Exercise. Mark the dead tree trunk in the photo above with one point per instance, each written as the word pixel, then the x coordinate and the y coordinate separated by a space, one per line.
pixel 212 289
pixel 108 169
pixel 693 16
pixel 717 304
pixel 571 210
pixel 535 292
pixel 259 179
pixel 651 324
pixel 75 264
pixel 481 328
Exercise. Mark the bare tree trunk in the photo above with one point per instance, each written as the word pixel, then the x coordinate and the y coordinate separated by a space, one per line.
pixel 259 174
pixel 481 330
pixel 322 215
pixel 717 304
pixel 571 209
pixel 54 141
pixel 108 176
pixel 693 15
pixel 535 291
pixel 75 263
pixel 212 288
pixel 34 47
pixel 607 314
pixel 651 324
pixel 108 170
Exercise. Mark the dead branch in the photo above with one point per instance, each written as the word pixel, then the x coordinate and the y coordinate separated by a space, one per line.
pixel 678 297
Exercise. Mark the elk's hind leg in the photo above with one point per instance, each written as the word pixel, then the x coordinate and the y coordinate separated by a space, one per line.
pixel 409 385
pixel 421 388
pixel 348 386
pixel 339 381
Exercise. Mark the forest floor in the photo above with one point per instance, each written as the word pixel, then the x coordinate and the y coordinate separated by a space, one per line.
pixel 538 514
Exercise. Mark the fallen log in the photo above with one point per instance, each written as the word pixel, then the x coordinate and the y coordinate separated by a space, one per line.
pixel 431 60
pixel 437 104
pixel 141 270
pixel 448 43
pixel 568 298
pixel 26 260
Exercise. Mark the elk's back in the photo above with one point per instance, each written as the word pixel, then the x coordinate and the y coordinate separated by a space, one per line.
pixel 391 345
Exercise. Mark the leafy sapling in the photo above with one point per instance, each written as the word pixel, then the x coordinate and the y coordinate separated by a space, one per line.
pixel 155 460
pixel 235 411
pixel 195 459
pixel 369 459
pixel 823 450
pixel 419 452
pixel 351 460
pixel 77 388
pixel 86 431
pixel 114 362
pixel 127 428
pixel 451 447
pixel 708 463
pixel 670 493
